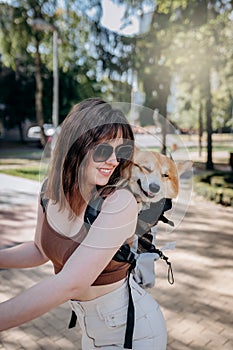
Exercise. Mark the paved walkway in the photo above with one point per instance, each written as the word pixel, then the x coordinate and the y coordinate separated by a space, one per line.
pixel 197 308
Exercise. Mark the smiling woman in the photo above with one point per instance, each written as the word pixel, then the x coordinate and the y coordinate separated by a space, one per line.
pixel 94 148
pixel 88 125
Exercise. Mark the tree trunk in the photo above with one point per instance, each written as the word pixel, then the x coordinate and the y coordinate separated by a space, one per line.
pixel 164 135
pixel 200 128
pixel 209 161
pixel 39 93
pixel 21 134
pixel 163 118
pixel 18 109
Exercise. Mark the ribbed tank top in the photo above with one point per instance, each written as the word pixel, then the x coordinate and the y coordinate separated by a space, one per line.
pixel 58 248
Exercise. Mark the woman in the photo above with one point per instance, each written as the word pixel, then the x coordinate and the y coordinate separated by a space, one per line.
pixel 94 147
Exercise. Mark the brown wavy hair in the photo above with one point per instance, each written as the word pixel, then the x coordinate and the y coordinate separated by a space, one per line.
pixel 90 122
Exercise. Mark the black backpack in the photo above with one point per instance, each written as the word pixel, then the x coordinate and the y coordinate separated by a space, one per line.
pixel 146 219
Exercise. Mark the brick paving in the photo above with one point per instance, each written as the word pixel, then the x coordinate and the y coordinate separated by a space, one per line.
pixel 197 308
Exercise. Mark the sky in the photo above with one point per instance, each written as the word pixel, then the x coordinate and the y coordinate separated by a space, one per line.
pixel 112 16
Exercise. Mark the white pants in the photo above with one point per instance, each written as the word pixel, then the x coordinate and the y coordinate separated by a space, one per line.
pixel 103 320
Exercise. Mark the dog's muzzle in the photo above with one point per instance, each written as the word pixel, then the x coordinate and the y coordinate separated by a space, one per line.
pixel 153 187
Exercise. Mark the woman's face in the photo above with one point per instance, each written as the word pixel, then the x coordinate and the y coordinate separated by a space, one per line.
pixel 99 172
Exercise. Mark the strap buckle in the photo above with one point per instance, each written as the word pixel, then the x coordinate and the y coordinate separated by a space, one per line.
pixel 130 258
pixel 124 254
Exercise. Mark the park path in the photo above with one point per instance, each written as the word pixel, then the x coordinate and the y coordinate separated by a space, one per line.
pixel 197 308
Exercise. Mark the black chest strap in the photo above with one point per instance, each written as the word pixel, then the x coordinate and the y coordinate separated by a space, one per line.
pixel 124 254
pixel 91 213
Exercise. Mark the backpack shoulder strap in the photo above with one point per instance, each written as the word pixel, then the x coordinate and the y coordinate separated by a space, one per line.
pixel 43 200
pixel 124 253
pixel 92 211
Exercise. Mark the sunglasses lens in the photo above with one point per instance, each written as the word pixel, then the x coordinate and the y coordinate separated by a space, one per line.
pixel 124 152
pixel 102 152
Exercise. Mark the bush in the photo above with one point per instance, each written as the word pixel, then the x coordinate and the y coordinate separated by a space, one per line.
pixel 215 186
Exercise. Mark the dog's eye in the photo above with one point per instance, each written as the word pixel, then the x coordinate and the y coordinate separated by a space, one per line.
pixel 165 175
pixel 147 169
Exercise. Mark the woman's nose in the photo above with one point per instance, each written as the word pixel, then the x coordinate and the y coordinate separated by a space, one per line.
pixel 112 159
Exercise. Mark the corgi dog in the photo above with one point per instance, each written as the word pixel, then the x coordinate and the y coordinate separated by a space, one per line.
pixel 154 181
pixel 155 176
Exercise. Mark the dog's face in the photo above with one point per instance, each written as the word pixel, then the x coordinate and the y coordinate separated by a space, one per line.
pixel 155 176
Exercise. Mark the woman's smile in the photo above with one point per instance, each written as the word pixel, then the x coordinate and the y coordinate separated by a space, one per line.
pixel 106 171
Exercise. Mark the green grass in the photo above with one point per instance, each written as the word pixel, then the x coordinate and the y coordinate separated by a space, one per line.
pixel 28 173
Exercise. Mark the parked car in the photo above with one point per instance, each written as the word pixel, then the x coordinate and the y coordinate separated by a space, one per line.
pixel 34 131
pixel 34 134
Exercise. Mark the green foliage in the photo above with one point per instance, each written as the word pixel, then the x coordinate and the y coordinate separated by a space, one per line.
pixel 78 68
pixel 188 45
pixel 17 95
pixel 216 186
pixel 205 45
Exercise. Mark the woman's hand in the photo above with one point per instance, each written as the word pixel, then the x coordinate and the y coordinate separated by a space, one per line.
pixel 21 256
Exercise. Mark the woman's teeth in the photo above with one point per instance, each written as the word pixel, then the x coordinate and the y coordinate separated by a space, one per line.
pixel 105 171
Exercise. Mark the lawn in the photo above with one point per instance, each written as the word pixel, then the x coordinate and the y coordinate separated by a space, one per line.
pixel 27 168
pixel 32 173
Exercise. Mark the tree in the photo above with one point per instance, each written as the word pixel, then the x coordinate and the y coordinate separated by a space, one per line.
pixel 16 39
pixel 33 48
pixel 187 38
pixel 198 51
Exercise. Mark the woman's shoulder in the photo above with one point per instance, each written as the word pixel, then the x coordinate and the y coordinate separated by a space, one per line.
pixel 121 198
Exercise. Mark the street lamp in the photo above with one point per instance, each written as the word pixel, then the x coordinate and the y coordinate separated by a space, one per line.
pixel 40 24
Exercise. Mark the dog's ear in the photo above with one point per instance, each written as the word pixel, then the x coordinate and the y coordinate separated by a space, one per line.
pixel 183 166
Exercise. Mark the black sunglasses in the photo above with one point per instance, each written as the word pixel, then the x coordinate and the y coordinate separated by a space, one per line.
pixel 103 151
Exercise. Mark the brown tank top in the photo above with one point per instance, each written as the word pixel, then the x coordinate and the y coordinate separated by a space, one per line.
pixel 59 248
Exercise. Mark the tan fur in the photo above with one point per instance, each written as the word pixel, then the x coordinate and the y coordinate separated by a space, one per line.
pixel 157 175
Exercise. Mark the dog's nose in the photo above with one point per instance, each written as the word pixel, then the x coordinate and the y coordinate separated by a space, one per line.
pixel 154 187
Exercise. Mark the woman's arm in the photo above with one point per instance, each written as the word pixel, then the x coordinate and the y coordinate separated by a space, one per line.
pixel 116 223
pixel 28 254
